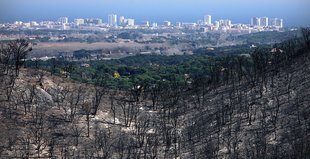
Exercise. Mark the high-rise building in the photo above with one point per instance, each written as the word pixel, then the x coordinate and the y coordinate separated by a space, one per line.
pixel 121 21
pixel 207 20
pixel 154 25
pixel 79 21
pixel 255 21
pixel 276 22
pixel 217 24
pixel 63 20
pixel 130 22
pixel 264 21
pixel 225 22
pixel 112 20
pixel 281 23
pixel 221 22
pixel 64 26
pixel 97 21
pixel 167 23
pixel 146 24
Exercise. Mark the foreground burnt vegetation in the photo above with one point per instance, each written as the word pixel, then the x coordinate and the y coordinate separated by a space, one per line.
pixel 245 106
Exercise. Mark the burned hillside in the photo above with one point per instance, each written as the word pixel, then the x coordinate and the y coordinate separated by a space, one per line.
pixel 247 106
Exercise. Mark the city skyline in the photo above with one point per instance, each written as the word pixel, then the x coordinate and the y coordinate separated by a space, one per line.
pixel 114 20
pixel 295 12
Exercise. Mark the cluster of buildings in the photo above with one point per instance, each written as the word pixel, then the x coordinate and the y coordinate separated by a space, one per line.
pixel 266 22
pixel 226 25
pixel 121 22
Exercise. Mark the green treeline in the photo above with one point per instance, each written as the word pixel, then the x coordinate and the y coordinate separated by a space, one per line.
pixel 147 70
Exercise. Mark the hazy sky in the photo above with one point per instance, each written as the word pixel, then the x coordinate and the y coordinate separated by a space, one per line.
pixel 294 12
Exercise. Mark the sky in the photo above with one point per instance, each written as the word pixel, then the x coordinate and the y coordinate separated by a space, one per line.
pixel 294 12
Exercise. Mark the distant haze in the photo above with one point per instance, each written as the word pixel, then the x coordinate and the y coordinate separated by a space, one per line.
pixel 294 12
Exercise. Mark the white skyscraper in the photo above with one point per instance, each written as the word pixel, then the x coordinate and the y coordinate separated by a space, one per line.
pixel 255 21
pixel 146 24
pixel 217 24
pixel 227 22
pixel 121 21
pixel 112 20
pixel 154 25
pixel 281 23
pixel 264 21
pixel 130 22
pixel 178 24
pixel 207 20
pixel 276 22
pixel 63 20
pixel 224 22
pixel 167 23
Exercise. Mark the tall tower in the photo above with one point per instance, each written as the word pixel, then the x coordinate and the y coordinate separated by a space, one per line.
pixel 63 20
pixel 130 22
pixel 112 20
pixel 264 21
pixel 167 23
pixel 207 20
pixel 276 22
pixel 121 21
pixel 281 23
pixel 255 21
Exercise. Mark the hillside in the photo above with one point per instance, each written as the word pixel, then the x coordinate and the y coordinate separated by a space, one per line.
pixel 258 108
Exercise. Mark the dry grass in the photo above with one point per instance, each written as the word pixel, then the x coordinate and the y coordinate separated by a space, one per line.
pixel 53 48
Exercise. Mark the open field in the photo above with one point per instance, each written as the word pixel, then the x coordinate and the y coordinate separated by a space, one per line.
pixel 53 48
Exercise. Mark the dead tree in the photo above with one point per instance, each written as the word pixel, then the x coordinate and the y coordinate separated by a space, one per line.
pixel 86 107
pixel 103 142
pixel 129 111
pixel 38 129
pixel 142 126
pixel 112 104
pixel 75 99
pixel 27 98
pixel 19 49
pixel 99 92
pixel 77 131
pixel 306 36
